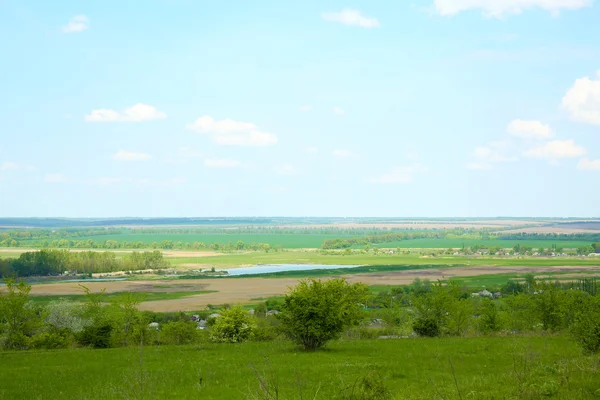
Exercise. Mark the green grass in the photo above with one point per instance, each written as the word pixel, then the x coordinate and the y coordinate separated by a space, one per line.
pixel 484 368
pixel 146 296
pixel 315 257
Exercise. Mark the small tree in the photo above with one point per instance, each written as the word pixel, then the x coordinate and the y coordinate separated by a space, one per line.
pixel 18 318
pixel 179 332
pixel 315 312
pixel 585 328
pixel 233 326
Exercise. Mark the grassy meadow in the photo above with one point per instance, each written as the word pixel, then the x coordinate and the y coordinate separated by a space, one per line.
pixel 452 368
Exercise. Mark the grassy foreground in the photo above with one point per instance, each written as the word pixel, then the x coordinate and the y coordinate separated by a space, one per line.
pixel 484 368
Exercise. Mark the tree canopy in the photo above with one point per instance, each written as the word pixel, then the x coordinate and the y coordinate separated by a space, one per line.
pixel 315 312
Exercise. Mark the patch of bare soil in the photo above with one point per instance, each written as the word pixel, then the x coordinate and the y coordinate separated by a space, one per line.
pixel 243 290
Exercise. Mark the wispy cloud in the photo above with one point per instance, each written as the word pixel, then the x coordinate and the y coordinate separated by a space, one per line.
pixel 351 17
pixel 305 108
pixel 338 111
pixel 484 157
pixel 529 129
pixel 13 166
pixel 136 113
pixel 78 23
pixel 556 149
pixel 228 132
pixel 589 165
pixel 500 8
pixel 55 178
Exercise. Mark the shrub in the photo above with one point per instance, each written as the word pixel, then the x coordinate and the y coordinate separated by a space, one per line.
pixel 427 327
pixel 370 387
pixel 97 336
pixel 233 326
pixel 315 312
pixel 586 324
pixel 488 317
pixel 179 332
pixel 52 339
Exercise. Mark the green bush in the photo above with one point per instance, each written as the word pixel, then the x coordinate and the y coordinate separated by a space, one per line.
pixel 96 336
pixel 370 387
pixel 179 332
pixel 427 327
pixel 52 339
pixel 315 312
pixel 233 326
pixel 585 328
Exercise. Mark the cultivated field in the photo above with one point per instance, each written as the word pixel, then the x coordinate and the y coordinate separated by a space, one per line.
pixel 247 290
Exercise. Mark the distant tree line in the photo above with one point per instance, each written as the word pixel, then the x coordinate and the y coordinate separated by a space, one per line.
pixel 56 262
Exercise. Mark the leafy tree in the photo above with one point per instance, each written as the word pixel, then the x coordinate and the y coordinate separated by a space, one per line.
pixel 488 316
pixel 19 319
pixel 585 328
pixel 549 306
pixel 428 327
pixel 315 312
pixel 233 326
pixel 179 332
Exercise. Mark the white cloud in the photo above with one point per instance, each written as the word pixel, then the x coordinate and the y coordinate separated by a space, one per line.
pixel 338 111
pixel 9 166
pixel 499 8
pixel 351 17
pixel 136 113
pixel 305 108
pixel 221 163
pixel 343 153
pixel 556 149
pixel 582 100
pixel 123 155
pixel 55 178
pixel 589 165
pixel 13 166
pixel 529 129
pixel 400 174
pixel 228 132
pixel 78 23
pixel 312 150
pixel 286 169
pixel 485 156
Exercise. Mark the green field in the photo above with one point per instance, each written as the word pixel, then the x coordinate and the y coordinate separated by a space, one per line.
pixel 314 240
pixel 314 257
pixel 484 368
pixel 145 296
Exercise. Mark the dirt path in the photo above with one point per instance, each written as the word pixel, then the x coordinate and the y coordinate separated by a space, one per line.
pixel 243 290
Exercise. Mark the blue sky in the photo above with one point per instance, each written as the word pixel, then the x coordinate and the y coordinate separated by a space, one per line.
pixel 364 108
